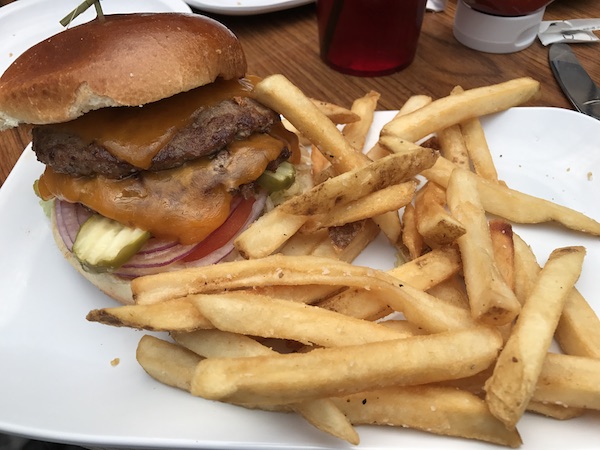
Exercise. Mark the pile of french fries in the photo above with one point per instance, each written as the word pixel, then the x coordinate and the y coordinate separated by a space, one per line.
pixel 454 340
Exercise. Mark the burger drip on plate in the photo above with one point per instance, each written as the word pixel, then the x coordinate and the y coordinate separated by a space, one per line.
pixel 148 129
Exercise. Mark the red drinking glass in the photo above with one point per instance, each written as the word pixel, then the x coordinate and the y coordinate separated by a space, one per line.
pixel 369 37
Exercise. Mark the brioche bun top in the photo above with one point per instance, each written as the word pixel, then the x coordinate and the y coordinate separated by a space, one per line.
pixel 123 60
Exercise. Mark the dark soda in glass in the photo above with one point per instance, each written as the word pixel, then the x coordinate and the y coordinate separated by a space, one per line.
pixel 369 37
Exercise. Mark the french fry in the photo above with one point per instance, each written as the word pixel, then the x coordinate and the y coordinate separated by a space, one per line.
pixel 345 243
pixel 419 307
pixel 452 142
pixel 404 327
pixel 357 183
pixel 321 167
pixel 336 113
pixel 364 107
pixel 435 409
pixel 566 380
pixel 174 365
pixel 559 412
pixel 379 202
pixel 167 362
pixel 504 250
pixel 326 372
pixel 578 330
pixel 514 205
pixel 491 299
pixel 273 229
pixel 434 223
pixel 177 314
pixel 422 273
pixel 219 344
pixel 527 268
pixel 513 382
pixel 278 93
pixel 304 244
pixel 411 238
pixel 455 109
pixel 452 291
pixel 412 104
pixel 478 149
pixel 257 315
pixel 268 233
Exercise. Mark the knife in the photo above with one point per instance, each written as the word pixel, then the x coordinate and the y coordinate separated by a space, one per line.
pixel 575 82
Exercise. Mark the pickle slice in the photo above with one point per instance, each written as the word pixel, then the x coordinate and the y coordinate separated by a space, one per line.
pixel 103 244
pixel 279 180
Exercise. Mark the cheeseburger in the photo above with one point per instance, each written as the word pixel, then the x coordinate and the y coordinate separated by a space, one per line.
pixel 156 154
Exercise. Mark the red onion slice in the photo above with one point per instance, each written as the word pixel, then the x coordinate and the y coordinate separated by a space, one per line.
pixel 69 218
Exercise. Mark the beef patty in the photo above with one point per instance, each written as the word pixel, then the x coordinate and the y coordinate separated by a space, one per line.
pixel 212 128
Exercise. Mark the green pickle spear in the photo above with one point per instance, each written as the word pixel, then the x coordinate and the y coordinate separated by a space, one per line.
pixel 103 244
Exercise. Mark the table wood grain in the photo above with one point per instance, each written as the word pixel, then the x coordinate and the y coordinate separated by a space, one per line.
pixel 286 42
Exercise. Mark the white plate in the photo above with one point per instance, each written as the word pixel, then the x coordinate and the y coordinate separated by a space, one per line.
pixel 57 381
pixel 26 22
pixel 245 7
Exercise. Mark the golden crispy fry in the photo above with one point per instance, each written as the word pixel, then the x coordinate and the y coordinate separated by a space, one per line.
pixel 321 167
pixel 453 147
pixel 278 93
pixel 516 373
pixel 452 142
pixel 379 202
pixel 411 238
pixel 572 381
pixel 491 300
pixel 357 183
pixel 336 113
pixel 257 315
pixel 171 315
pixel 321 413
pixel 220 344
pixel 268 233
pixel 452 291
pixel 167 362
pixel 516 206
pixel 504 250
pixel 304 244
pixel 333 371
pixel 435 409
pixel 455 109
pixel 404 327
pixel 421 273
pixel 434 223
pixel 578 330
pixel 324 414
pixel 364 107
pixel 559 412
pixel 347 242
pixel 412 104
pixel 419 307
pixel 430 269
pixel 478 149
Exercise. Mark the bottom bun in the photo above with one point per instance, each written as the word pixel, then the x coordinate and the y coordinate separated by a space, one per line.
pixel 115 287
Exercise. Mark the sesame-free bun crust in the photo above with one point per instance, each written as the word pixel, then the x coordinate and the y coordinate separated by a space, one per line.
pixel 123 60
pixel 115 287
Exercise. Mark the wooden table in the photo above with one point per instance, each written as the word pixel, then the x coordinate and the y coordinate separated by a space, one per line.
pixel 286 42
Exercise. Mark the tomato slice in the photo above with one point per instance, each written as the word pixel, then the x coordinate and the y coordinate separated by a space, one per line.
pixel 224 233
